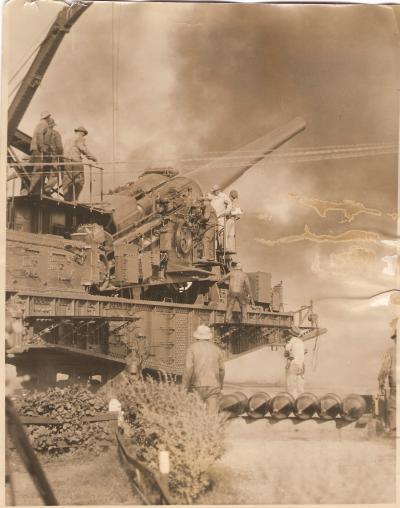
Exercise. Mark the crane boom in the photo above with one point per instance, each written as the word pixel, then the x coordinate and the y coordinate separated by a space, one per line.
pixel 62 24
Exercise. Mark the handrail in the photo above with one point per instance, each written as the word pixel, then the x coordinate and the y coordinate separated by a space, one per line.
pixel 158 479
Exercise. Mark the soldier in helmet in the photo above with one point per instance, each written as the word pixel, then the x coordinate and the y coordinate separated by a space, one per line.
pixel 388 372
pixel 204 368
pixel 74 175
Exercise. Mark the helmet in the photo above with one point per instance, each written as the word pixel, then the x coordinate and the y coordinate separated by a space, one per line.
pixel 44 115
pixel 215 188
pixel 202 332
pixel 81 129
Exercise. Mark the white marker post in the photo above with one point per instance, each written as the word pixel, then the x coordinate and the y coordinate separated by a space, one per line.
pixel 164 468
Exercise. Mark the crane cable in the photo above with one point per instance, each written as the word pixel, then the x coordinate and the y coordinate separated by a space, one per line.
pixel 214 163
pixel 115 45
pixel 26 61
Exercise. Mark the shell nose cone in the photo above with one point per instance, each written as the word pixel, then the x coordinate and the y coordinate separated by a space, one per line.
pixel 258 405
pixel 306 406
pixel 282 405
pixel 233 404
pixel 353 407
pixel 329 406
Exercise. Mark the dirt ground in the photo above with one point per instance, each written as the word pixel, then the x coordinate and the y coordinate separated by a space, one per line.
pixel 266 465
pixel 263 464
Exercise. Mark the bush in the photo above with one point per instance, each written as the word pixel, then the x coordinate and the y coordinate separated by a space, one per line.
pixel 164 416
pixel 68 405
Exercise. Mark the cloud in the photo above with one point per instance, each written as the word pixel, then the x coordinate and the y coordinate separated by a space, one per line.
pixel 353 235
pixel 348 207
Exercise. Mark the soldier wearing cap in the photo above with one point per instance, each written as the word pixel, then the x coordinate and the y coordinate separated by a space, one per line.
pixel 204 368
pixel 37 150
pixel 388 372
pixel 239 291
pixel 295 369
pixel 74 175
pixel 208 222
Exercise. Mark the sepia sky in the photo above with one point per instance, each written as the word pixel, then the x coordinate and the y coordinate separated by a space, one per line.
pixel 190 81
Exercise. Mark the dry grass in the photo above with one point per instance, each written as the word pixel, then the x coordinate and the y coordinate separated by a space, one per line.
pixel 264 471
pixel 77 481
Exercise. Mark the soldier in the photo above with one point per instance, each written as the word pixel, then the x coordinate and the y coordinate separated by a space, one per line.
pixel 74 176
pixel 209 223
pixel 221 204
pixel 204 369
pixel 53 148
pixel 388 371
pixel 239 290
pixel 230 225
pixel 37 149
pixel 295 369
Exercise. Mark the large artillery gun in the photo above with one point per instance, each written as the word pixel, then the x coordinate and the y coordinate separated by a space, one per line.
pixel 99 287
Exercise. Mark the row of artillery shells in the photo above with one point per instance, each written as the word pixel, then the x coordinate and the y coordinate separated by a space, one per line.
pixel 282 405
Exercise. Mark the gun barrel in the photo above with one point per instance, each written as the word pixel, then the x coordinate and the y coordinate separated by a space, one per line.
pixel 210 174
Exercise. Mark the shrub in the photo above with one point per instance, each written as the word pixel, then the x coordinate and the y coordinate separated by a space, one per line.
pixel 164 416
pixel 69 405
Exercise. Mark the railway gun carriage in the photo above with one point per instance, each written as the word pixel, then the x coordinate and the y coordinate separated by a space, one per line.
pixel 122 281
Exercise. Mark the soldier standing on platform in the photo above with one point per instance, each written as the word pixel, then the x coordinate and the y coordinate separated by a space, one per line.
pixel 208 225
pixel 230 225
pixel 53 153
pixel 74 175
pixel 37 149
pixel 239 291
pixel 222 205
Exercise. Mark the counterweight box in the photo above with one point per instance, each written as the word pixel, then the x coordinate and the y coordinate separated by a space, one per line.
pixel 260 283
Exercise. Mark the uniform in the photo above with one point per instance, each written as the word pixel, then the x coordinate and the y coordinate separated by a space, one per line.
pixel 222 206
pixel 295 369
pixel 388 370
pixel 37 156
pixel 204 369
pixel 54 150
pixel 230 226
pixel 37 142
pixel 209 223
pixel 74 175
pixel 239 290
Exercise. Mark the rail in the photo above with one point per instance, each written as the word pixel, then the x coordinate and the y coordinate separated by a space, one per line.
pixel 16 432
pixel 54 171
pixel 141 471
pixel 15 424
